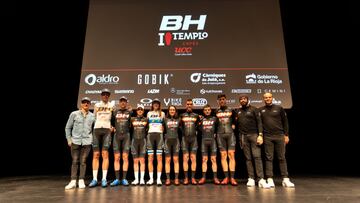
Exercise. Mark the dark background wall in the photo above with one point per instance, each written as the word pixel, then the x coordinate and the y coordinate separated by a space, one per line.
pixel 44 55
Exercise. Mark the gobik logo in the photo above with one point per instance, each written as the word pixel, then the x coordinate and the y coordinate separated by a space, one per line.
pixel 179 27
pixel 103 79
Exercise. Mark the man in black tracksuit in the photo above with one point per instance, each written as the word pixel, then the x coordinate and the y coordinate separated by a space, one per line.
pixel 248 122
pixel 276 128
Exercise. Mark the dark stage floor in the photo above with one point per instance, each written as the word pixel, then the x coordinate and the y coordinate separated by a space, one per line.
pixel 50 189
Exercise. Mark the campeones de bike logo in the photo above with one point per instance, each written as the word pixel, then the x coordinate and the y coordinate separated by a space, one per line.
pixel 175 32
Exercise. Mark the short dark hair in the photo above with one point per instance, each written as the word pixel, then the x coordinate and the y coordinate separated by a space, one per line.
pixel 207 106
pixel 221 95
pixel 189 100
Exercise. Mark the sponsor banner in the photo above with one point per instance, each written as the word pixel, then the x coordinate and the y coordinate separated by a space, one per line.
pixel 175 88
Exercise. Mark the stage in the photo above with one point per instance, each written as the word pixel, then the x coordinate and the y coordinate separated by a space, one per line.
pixel 308 189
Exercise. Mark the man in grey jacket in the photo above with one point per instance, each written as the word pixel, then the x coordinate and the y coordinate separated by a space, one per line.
pixel 79 138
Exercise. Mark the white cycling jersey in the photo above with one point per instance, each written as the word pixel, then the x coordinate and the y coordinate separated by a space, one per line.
pixel 156 121
pixel 103 112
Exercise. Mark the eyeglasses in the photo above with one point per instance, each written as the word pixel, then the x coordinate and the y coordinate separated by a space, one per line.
pixel 85 102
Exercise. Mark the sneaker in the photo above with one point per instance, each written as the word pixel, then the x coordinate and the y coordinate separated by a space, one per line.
pixel 142 182
pixel 251 182
pixel 286 183
pixel 135 182
pixel 103 183
pixel 124 182
pixel 116 182
pixel 71 185
pixel 270 182
pixel 93 183
pixel 262 184
pixel 82 184
pixel 150 182
pixel 158 182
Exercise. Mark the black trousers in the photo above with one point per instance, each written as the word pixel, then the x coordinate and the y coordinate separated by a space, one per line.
pixel 252 153
pixel 79 154
pixel 277 143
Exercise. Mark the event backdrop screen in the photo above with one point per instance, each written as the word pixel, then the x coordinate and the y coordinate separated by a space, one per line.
pixel 175 50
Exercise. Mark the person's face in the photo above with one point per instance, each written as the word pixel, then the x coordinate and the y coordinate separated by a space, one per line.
pixel 85 105
pixel 172 111
pixel 268 98
pixel 243 101
pixel 207 111
pixel 156 106
pixel 222 101
pixel 122 104
pixel 189 105
pixel 105 97
pixel 140 111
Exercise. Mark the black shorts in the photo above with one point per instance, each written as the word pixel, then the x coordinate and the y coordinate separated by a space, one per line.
pixel 226 141
pixel 172 145
pixel 208 144
pixel 121 142
pixel 138 147
pixel 155 142
pixel 101 137
pixel 189 144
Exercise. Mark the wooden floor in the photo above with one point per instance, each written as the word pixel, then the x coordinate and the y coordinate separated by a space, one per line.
pixel 50 189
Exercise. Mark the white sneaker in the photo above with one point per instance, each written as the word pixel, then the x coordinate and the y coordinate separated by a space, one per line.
pixel 71 185
pixel 262 184
pixel 135 182
pixel 82 184
pixel 250 183
pixel 158 182
pixel 270 182
pixel 150 182
pixel 286 183
pixel 142 182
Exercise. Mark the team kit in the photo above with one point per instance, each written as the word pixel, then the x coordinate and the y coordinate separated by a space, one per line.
pixel 161 136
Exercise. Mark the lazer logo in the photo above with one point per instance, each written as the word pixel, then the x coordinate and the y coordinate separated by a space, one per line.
pixel 153 91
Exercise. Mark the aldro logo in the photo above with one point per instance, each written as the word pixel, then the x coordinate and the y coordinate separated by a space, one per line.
pixel 176 28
